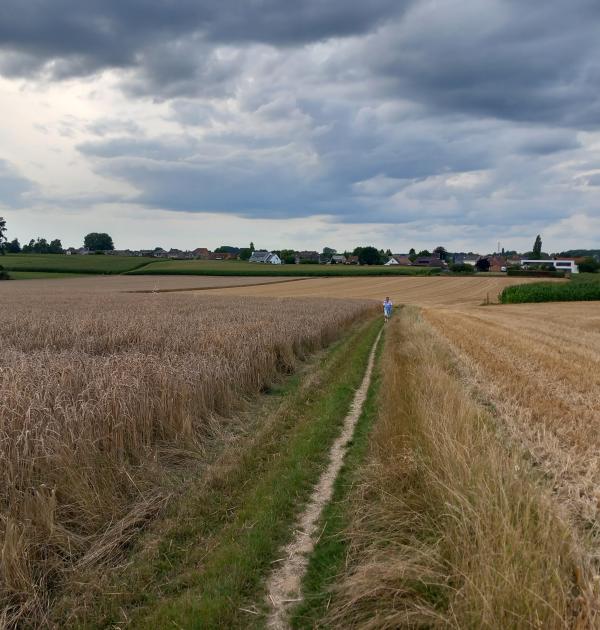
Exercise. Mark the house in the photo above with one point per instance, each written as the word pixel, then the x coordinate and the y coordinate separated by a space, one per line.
pixel 81 251
pixel 401 259
pixel 429 261
pixel 159 252
pixel 221 256
pixel 201 253
pixel 338 259
pixel 497 263
pixel 307 257
pixel 265 257
pixel 391 261
pixel 353 260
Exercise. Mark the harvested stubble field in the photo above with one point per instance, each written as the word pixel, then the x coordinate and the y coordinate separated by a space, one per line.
pixel 101 395
pixel 421 291
pixel 539 365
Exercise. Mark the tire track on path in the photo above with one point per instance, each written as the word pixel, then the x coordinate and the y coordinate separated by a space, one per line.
pixel 284 586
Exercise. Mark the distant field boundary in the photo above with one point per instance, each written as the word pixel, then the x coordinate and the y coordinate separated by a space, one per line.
pixel 229 286
pixel 236 269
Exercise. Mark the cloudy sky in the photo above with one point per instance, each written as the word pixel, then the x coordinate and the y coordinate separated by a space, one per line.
pixel 188 123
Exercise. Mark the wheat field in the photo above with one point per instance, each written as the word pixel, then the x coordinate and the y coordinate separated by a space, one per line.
pixel 100 394
pixel 426 291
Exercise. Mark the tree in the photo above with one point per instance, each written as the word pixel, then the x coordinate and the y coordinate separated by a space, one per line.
pixel 589 265
pixel 245 253
pixel 98 241
pixel 412 254
pixel 536 252
pixel 483 264
pixel 55 247
pixel 252 248
pixel 462 268
pixel 288 256
pixel 369 256
pixel 41 246
pixel 441 252
pixel 424 252
pixel 329 251
pixel 2 235
pixel 14 247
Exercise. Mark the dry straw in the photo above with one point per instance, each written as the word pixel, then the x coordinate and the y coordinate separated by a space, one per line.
pixel 451 527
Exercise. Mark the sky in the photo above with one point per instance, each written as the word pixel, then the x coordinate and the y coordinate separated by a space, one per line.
pixel 302 124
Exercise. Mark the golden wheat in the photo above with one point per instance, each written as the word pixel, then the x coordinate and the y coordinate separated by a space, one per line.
pixel 420 291
pixel 96 390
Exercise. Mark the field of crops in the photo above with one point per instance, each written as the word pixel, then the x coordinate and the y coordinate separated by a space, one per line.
pixel 58 263
pixel 101 395
pixel 240 268
pixel 540 368
pixel 551 292
pixel 428 291
pixel 108 284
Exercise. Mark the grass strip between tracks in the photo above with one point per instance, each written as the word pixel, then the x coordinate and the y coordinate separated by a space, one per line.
pixel 218 542
pixel 328 558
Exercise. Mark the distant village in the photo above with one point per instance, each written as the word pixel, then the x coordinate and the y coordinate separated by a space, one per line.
pixel 439 258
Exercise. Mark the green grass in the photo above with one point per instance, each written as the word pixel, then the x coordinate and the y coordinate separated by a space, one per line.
pixel 327 559
pixel 583 289
pixel 241 268
pixel 60 263
pixel 217 543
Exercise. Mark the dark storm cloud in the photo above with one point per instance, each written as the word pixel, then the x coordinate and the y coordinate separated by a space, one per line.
pixel 478 111
pixel 13 186
pixel 534 62
pixel 74 37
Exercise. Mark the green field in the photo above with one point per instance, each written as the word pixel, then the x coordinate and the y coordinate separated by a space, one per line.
pixel 59 263
pixel 241 268
pixel 583 287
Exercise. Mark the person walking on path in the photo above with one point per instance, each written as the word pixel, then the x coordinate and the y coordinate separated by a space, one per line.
pixel 387 308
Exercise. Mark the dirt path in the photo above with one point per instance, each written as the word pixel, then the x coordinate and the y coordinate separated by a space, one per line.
pixel 284 585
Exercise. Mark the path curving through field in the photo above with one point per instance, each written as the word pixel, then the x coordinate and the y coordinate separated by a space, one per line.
pixel 284 587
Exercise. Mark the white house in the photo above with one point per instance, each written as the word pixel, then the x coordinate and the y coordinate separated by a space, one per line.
pixel 391 261
pixel 263 256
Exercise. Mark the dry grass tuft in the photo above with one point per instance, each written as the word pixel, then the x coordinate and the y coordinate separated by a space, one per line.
pixel 450 530
pixel 100 393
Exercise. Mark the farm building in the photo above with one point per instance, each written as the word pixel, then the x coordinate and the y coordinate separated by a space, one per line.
pixel 202 253
pixel 263 256
pixel 307 256
pixel 429 261
pixel 338 259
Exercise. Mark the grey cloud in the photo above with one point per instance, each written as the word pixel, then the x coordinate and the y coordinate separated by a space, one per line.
pixel 535 62
pixel 13 186
pixel 73 38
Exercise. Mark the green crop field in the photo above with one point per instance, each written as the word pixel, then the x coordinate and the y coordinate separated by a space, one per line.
pixel 60 263
pixel 241 268
pixel 581 289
